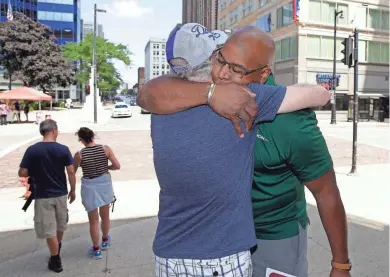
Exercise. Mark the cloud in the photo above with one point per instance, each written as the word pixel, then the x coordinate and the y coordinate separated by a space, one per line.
pixel 127 8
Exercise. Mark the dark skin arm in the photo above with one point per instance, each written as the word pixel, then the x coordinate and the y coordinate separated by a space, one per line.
pixel 333 217
pixel 168 94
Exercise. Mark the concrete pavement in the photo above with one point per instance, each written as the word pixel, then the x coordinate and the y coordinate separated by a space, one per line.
pixel 364 195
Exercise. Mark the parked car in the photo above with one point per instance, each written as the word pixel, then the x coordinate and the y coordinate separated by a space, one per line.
pixel 121 110
pixel 133 102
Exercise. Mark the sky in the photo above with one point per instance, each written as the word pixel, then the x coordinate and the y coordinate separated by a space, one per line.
pixel 133 22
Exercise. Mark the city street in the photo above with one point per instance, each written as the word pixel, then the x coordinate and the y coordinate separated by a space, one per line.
pixel 365 198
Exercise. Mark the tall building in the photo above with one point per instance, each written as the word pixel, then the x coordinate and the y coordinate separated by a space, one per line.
pixel 62 16
pixel 141 77
pixel 303 33
pixel 155 59
pixel 87 28
pixel 204 12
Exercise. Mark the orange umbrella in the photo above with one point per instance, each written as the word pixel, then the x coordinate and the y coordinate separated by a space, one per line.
pixel 24 93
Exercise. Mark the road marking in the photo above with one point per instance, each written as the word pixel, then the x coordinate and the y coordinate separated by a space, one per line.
pixel 13 147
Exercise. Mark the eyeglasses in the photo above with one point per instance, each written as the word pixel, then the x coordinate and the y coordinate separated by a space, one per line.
pixel 238 70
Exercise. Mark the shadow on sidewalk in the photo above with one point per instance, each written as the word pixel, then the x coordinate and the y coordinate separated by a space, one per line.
pixel 131 254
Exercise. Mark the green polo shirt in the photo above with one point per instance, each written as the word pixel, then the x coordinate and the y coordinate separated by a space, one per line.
pixel 289 152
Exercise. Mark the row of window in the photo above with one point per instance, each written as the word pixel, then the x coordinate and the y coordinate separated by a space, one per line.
pixel 320 11
pixel 158 73
pixel 32 2
pixel 365 17
pixel 65 2
pixel 157 66
pixel 157 46
pixel 322 47
pixel 55 16
pixel 158 53
pixel 65 33
pixel 157 59
pixel 27 12
pixel 369 51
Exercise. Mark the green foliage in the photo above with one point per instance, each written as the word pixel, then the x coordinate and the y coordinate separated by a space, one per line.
pixel 109 79
pixel 29 53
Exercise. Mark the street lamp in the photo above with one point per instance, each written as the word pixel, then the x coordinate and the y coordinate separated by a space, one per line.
pixel 94 62
pixel 337 14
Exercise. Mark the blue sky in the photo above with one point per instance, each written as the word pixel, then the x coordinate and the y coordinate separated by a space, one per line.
pixel 133 22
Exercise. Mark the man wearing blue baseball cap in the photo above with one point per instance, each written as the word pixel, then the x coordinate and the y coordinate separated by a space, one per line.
pixel 204 170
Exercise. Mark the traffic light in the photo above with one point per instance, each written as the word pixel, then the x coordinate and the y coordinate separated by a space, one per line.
pixel 347 51
pixel 87 90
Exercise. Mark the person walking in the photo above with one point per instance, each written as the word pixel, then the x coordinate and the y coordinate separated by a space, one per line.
pixel 16 111
pixel 45 163
pixel 3 113
pixel 26 110
pixel 96 187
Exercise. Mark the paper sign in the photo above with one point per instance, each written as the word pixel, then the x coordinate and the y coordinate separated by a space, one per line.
pixel 275 273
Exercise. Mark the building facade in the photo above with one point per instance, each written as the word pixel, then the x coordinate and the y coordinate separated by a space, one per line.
pixel 62 16
pixel 87 28
pixel 303 33
pixel 204 12
pixel 155 59
pixel 141 77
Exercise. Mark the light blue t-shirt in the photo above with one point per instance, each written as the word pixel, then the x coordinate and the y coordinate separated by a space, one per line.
pixel 205 174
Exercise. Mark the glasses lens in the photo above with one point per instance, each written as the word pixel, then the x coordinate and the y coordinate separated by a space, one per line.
pixel 238 71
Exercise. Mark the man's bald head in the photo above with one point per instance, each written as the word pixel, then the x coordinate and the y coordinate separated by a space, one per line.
pixel 251 49
pixel 255 43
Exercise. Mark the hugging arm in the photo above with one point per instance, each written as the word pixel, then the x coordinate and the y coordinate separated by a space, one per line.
pixel 169 94
pixel 302 96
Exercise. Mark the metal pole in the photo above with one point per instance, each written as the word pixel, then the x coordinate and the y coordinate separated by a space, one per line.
pixel 355 101
pixel 333 100
pixel 94 65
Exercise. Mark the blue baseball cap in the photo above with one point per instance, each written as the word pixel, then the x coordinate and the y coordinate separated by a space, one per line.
pixel 193 43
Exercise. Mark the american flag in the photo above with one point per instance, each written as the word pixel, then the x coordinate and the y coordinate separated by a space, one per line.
pixel 10 15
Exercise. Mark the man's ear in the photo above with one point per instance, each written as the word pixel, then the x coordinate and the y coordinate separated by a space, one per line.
pixel 265 74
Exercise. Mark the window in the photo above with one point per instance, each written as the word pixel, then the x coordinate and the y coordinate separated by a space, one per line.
pixel 49 16
pixel 158 52
pixel 322 47
pixel 163 53
pixel 154 53
pixel 41 15
pixel 67 33
pixel 284 15
pixel 163 46
pixel 163 66
pixel 154 46
pixel 374 18
pixel 264 23
pixel 244 10
pixel 236 14
pixel 325 11
pixel 250 6
pixel 58 16
pixel 373 51
pixel 286 49
pixel 68 17
pixel 158 46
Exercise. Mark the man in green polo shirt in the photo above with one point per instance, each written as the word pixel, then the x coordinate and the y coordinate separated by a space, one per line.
pixel 291 152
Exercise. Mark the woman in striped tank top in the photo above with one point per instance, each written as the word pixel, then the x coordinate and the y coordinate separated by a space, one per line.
pixel 96 187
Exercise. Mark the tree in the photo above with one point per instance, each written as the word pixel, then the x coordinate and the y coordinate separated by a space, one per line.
pixel 109 79
pixel 32 55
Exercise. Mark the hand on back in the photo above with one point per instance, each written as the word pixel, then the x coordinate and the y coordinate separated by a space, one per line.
pixel 235 102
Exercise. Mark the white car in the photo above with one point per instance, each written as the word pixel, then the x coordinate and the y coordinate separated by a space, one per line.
pixel 121 110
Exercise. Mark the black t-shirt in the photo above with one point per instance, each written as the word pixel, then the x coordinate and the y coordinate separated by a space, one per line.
pixel 46 163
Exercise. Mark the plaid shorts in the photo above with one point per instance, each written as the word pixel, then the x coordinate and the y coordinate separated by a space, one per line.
pixel 238 265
